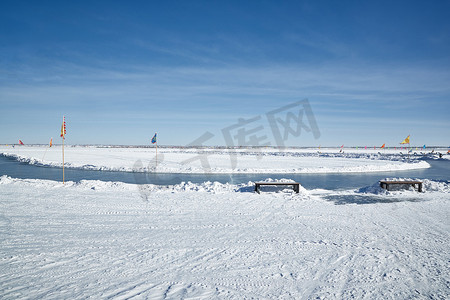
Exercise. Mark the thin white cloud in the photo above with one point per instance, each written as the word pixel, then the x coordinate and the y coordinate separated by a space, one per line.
pixel 333 82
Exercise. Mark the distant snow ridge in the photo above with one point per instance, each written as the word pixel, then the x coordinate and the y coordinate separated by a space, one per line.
pixel 313 153
pixel 23 159
pixel 40 162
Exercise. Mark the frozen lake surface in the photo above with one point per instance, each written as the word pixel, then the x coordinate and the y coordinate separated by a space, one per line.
pixel 329 170
pixel 439 170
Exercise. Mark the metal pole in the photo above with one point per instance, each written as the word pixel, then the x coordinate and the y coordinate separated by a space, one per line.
pixel 63 158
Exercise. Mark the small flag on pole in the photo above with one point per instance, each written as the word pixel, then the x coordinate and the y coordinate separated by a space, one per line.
pixel 156 149
pixel 63 128
pixel 20 142
pixel 51 143
pixel 63 135
pixel 424 147
pixel 406 141
pixel 384 145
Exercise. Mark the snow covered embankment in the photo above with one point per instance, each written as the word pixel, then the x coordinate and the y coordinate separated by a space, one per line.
pixel 139 160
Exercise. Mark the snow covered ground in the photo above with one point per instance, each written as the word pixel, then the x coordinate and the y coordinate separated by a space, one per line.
pixel 211 160
pixel 97 240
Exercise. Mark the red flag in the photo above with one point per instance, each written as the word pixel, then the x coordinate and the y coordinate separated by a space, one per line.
pixel 384 145
pixel 20 142
pixel 51 142
pixel 63 128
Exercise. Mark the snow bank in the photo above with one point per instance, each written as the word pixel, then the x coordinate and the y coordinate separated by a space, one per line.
pixel 373 194
pixel 207 187
pixel 427 187
pixel 83 184
pixel 431 189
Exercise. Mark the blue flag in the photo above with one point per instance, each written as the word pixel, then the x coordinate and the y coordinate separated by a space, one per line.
pixel 424 146
pixel 154 139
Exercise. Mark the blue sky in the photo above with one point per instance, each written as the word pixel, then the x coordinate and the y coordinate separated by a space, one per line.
pixel 373 71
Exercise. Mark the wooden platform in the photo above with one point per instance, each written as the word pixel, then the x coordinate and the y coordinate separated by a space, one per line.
pixel 385 184
pixel 295 185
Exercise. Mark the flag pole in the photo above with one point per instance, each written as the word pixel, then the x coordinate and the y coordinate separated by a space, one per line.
pixel 47 148
pixel 63 135
pixel 409 144
pixel 63 157
pixel 45 153
pixel 155 141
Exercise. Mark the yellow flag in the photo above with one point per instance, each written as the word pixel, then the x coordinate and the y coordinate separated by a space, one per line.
pixel 406 141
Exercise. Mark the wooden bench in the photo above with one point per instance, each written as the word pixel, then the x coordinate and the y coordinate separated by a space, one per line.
pixel 386 183
pixel 295 185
